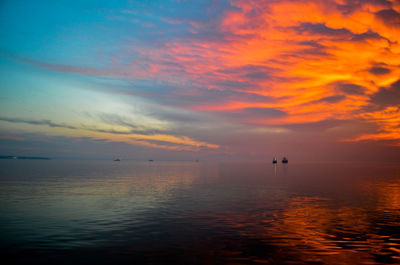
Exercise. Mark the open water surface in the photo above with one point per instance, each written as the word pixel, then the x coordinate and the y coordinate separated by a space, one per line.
pixel 105 212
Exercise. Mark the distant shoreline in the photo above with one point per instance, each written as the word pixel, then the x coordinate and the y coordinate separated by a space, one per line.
pixel 25 157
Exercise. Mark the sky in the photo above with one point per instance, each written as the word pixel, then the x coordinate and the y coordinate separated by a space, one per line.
pixel 313 80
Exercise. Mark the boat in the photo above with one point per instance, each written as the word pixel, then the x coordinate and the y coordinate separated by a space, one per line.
pixel 117 159
pixel 284 160
pixel 274 160
pixel 151 160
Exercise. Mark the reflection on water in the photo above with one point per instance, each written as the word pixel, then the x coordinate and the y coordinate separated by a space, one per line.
pixel 199 213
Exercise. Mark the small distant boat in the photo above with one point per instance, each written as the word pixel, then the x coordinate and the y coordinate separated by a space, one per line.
pixel 274 160
pixel 284 160
pixel 117 159
pixel 151 160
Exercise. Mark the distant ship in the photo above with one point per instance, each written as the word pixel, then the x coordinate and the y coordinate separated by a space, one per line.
pixel 274 160
pixel 284 160
pixel 117 159
pixel 151 160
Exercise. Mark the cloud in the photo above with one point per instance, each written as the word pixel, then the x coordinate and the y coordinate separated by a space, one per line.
pixel 387 96
pixel 265 112
pixel 321 29
pixel 367 36
pixel 376 70
pixel 384 110
pixel 388 120
pixel 350 6
pixel 256 62
pixel 39 122
pixel 330 99
pixel 351 89
pixel 319 126
pixel 389 17
pixel 172 142
pixel 253 115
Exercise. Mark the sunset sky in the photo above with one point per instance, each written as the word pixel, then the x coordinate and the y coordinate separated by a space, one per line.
pixel 309 79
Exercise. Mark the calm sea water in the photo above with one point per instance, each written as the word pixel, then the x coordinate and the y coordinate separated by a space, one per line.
pixel 88 212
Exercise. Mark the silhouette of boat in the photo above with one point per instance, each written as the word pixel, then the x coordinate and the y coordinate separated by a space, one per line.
pixel 117 159
pixel 151 160
pixel 274 160
pixel 284 160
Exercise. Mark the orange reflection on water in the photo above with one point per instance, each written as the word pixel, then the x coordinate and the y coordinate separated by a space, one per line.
pixel 310 225
pixel 389 198
pixel 312 229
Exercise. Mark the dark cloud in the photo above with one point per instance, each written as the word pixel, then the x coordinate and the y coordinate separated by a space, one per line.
pixel 313 48
pixel 67 126
pixel 246 115
pixel 312 44
pixel 314 126
pixel 38 122
pixel 387 96
pixel 350 6
pixel 264 112
pixel 350 88
pixel 330 99
pixel 257 75
pixel 369 35
pixel 390 17
pixel 321 29
pixel 376 70
pixel 214 96
pixel 233 84
pixel 250 71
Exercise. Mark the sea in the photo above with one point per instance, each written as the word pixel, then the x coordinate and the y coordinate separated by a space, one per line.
pixel 129 212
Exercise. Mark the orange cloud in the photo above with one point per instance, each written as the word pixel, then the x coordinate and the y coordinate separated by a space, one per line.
pixel 304 48
pixel 159 140
pixel 313 60
pixel 389 122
